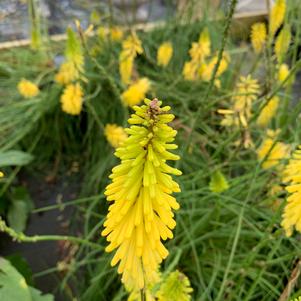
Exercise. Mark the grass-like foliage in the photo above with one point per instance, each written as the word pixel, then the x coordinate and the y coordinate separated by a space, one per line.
pixel 237 122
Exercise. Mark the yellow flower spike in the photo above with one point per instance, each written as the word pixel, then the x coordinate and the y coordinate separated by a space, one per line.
pixel 247 90
pixel 73 51
pixel 218 182
pixel 72 99
pixel 282 43
pixel 67 73
pixel 283 73
pixel 176 287
pixel 131 46
pixel 198 53
pixel 258 36
pixel 140 215
pixel 270 150
pixel 277 16
pixel 116 34
pixel 291 217
pixel 115 135
pixel 268 112
pixel 201 49
pixel 27 88
pixel 136 92
pixel 164 54
pixel 126 63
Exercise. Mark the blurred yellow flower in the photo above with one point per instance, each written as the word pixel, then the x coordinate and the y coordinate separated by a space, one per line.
pixel 258 36
pixel 282 43
pixel 206 70
pixel 292 212
pixel 176 287
pixel 115 134
pixel 126 63
pixel 189 71
pixel 72 99
pixel 67 73
pixel 277 16
pixel 218 182
pixel 136 92
pixel 101 32
pixel 201 49
pixel 268 112
pixel 73 51
pixel 131 46
pixel 198 53
pixel 116 34
pixel 283 73
pixel 27 88
pixel 1 174
pixel 272 151
pixel 247 90
pixel 164 54
pixel 95 17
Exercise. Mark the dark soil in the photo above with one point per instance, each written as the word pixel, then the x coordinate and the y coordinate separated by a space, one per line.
pixel 44 255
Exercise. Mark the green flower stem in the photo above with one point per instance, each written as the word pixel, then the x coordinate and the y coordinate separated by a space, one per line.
pixel 21 237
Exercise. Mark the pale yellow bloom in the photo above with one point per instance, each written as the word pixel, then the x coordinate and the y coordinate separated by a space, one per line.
pixel 292 212
pixel 189 71
pixel 131 46
pixel 116 34
pixel 282 43
pixel 67 73
pixel 136 92
pixel 126 63
pixel 198 52
pixel 272 151
pixel 268 112
pixel 258 36
pixel 283 73
pixel 277 16
pixel 1 174
pixel 247 90
pixel 73 51
pixel 176 287
pixel 201 49
pixel 164 54
pixel 115 134
pixel 101 32
pixel 206 70
pixel 27 88
pixel 218 182
pixel 72 99
pixel 95 17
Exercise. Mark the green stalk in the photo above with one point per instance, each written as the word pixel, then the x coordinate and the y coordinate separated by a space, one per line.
pixel 21 237
pixel 35 25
